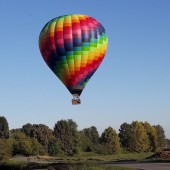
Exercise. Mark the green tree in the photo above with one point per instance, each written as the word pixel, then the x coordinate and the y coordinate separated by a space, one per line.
pixel 139 138
pixel 22 144
pixel 92 134
pixel 151 132
pixel 39 131
pixel 12 132
pixel 4 129
pixel 27 129
pixel 53 147
pixel 125 135
pixel 111 140
pixel 66 132
pixel 160 133
pixel 85 143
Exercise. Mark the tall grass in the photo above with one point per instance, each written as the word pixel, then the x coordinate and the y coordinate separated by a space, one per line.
pixel 95 157
pixel 12 165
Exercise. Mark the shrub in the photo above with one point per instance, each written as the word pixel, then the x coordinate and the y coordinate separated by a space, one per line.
pixel 5 148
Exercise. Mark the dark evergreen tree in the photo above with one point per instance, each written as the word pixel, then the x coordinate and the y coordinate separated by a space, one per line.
pixel 4 129
pixel 27 129
pixel 125 134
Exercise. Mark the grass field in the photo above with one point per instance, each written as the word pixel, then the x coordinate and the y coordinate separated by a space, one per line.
pixel 13 165
pixel 92 157
pixel 83 161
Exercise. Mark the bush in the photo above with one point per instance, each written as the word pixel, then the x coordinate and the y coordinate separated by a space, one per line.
pixel 22 145
pixel 54 147
pixel 5 148
pixel 37 148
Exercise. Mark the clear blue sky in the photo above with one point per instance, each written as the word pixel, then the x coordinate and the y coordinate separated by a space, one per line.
pixel 133 82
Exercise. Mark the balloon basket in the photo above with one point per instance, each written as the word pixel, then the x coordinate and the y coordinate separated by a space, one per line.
pixel 76 100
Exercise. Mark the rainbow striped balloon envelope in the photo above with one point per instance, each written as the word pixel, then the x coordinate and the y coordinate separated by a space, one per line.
pixel 73 46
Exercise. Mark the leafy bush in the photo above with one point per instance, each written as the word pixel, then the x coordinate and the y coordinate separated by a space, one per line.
pixel 22 145
pixel 37 148
pixel 53 147
pixel 5 148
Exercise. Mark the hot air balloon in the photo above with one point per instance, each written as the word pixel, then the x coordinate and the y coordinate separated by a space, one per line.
pixel 73 46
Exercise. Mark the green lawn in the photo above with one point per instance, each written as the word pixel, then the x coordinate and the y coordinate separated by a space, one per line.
pixel 117 157
pixel 95 157
pixel 83 161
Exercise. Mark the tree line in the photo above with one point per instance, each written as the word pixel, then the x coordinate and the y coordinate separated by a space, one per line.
pixel 66 139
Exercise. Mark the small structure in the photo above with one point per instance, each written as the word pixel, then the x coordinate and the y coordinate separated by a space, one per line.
pixel 76 100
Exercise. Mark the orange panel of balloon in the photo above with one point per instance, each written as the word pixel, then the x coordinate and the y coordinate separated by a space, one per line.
pixel 73 46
